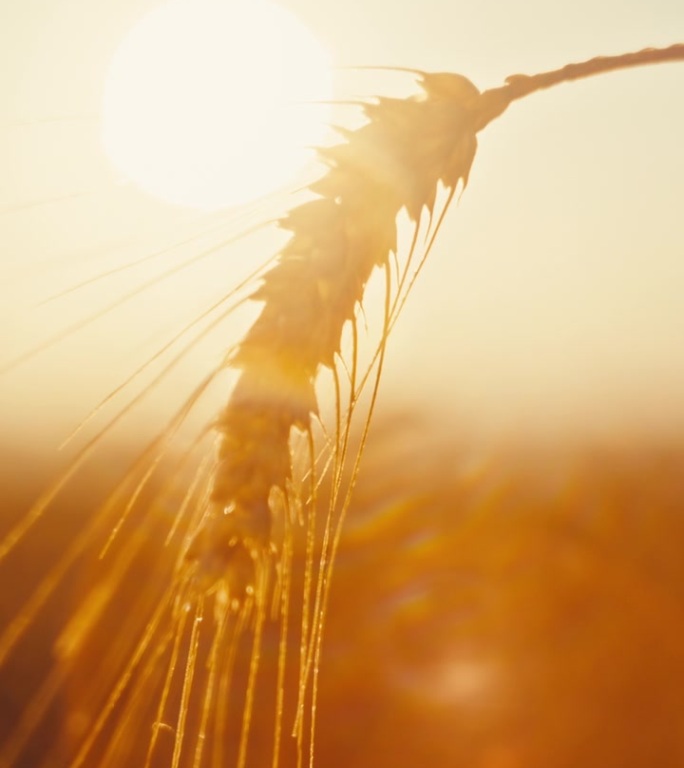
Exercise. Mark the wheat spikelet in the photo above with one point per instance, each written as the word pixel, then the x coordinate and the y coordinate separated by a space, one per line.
pixel 194 649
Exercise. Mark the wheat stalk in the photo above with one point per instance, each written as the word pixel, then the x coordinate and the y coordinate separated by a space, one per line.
pixel 237 540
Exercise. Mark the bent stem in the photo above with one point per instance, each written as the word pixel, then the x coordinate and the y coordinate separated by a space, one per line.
pixel 495 101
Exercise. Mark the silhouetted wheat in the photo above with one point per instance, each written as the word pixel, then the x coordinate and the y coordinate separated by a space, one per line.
pixel 177 675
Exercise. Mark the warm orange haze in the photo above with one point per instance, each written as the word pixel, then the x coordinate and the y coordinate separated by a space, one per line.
pixel 210 553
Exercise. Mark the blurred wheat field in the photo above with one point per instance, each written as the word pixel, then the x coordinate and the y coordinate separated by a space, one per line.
pixel 497 601
pixel 492 605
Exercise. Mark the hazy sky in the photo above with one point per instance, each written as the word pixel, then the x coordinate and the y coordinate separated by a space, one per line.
pixel 556 287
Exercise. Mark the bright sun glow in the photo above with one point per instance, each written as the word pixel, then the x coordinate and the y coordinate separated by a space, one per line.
pixel 211 103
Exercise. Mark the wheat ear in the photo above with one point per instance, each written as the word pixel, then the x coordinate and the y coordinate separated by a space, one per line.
pixel 395 161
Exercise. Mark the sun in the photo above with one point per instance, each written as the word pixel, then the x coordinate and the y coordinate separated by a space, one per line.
pixel 213 103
